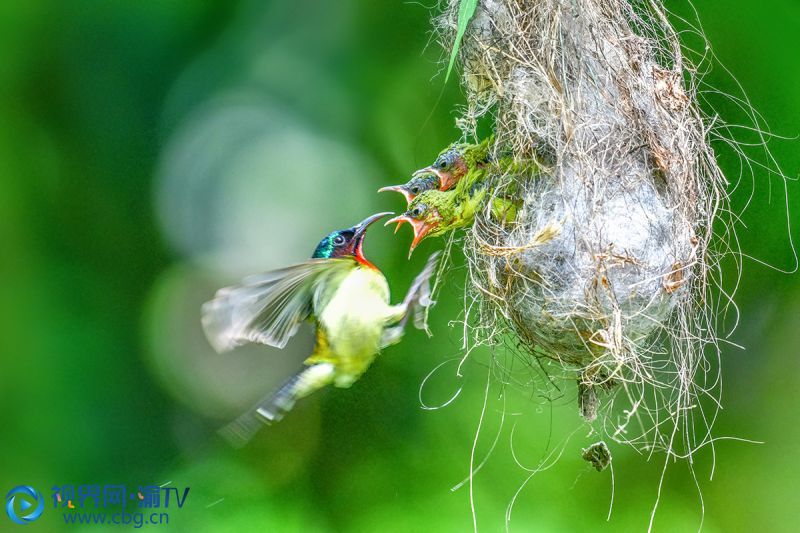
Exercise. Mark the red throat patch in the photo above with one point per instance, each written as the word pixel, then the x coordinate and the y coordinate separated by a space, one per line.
pixel 359 255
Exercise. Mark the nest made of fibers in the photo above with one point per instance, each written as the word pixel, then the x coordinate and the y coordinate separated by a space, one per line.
pixel 605 275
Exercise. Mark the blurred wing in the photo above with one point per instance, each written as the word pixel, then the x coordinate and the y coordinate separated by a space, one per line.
pixel 266 308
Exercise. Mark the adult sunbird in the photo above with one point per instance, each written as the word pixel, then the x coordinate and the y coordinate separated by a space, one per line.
pixel 341 292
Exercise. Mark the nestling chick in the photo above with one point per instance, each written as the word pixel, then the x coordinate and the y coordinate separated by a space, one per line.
pixel 455 161
pixel 415 186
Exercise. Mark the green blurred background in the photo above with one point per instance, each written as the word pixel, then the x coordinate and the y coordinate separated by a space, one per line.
pixel 152 151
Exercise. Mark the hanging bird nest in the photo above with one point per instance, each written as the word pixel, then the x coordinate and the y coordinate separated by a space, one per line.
pixel 606 271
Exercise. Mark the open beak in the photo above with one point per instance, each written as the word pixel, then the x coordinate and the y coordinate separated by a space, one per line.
pixel 420 227
pixel 360 230
pixel 362 226
pixel 398 188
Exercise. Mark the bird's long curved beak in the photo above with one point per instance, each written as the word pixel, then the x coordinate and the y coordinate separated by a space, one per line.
pixel 398 188
pixel 362 226
pixel 420 227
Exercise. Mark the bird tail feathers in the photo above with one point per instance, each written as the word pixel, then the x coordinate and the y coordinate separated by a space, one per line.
pixel 270 409
pixel 273 407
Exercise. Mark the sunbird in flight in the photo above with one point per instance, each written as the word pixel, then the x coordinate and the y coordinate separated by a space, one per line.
pixel 341 292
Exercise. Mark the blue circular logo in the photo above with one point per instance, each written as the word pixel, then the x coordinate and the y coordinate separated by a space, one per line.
pixel 27 502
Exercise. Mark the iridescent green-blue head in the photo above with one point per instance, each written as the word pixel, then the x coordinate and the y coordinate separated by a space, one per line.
pixel 347 242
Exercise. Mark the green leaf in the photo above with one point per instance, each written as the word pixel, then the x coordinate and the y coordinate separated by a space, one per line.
pixel 465 12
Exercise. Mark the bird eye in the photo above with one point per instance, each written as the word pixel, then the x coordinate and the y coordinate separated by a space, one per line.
pixel 445 161
pixel 418 211
pixel 338 240
pixel 415 189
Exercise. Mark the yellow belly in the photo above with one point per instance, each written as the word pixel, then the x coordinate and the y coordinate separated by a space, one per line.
pixel 353 321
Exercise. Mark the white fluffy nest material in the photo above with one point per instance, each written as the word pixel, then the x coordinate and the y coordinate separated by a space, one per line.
pixel 605 272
